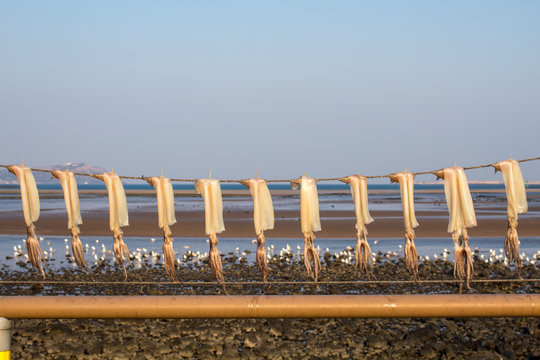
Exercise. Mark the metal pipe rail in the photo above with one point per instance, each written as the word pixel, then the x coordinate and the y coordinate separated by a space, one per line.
pixel 274 306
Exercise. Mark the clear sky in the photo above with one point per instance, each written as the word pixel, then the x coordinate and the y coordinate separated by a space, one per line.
pixel 288 87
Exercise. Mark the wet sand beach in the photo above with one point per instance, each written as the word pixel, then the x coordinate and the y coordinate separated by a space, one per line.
pixel 239 223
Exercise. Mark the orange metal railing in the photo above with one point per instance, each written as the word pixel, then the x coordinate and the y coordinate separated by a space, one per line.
pixel 286 306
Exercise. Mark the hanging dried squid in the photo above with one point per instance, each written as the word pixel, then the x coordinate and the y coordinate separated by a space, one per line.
pixel 30 204
pixel 406 188
pixel 310 221
pixel 517 204
pixel 166 217
pixel 118 215
pixel 210 191
pixel 71 199
pixel 462 216
pixel 360 196
pixel 263 219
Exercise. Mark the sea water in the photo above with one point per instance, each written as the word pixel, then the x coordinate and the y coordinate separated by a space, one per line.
pixel 57 249
pixel 385 197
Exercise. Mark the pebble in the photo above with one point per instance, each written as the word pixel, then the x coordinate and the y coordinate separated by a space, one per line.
pixel 377 342
pixel 251 340
pixel 275 331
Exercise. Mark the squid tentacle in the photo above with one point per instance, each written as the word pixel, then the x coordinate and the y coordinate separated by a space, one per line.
pixel 168 253
pixel 411 255
pixel 463 261
pixel 77 248
pixel 260 260
pixel 511 243
pixel 35 254
pixel 215 259
pixel 311 255
pixel 120 249
pixel 363 253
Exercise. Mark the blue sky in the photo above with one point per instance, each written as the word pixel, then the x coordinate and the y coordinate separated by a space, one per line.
pixel 327 88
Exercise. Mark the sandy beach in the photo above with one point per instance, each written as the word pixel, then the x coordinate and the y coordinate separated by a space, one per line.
pixel 239 222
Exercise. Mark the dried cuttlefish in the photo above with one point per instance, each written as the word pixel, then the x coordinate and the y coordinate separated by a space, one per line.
pixel 462 216
pixel 118 215
pixel 263 219
pixel 210 191
pixel 71 198
pixel 30 204
pixel 310 221
pixel 517 204
pixel 359 193
pixel 166 217
pixel 406 187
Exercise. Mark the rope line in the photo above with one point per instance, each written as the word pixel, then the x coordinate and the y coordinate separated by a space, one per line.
pixel 144 178
pixel 247 283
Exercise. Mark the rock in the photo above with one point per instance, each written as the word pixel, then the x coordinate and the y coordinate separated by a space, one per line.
pixel 290 334
pixel 119 355
pixel 377 341
pixel 229 355
pixel 207 354
pixel 251 340
pixel 248 354
pixel 59 330
pixel 171 333
pixel 429 352
pixel 509 354
pixel 93 348
pixel 186 352
pixel 421 335
pixel 171 356
pixel 162 349
pixel 275 331
pixel 485 355
pixel 147 346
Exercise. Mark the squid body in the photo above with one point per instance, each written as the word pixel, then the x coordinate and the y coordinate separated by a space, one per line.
pixel 118 215
pixel 517 204
pixel 210 190
pixel 310 222
pixel 30 204
pixel 462 216
pixel 263 219
pixel 71 198
pixel 406 188
pixel 166 217
pixel 359 192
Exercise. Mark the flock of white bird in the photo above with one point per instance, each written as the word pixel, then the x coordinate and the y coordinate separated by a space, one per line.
pixel 99 253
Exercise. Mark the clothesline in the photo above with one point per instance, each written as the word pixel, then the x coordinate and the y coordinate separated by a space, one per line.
pixel 145 178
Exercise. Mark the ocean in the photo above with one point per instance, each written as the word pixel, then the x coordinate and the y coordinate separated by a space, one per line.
pixel 428 197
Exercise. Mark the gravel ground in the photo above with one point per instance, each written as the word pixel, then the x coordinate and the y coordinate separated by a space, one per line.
pixel 450 338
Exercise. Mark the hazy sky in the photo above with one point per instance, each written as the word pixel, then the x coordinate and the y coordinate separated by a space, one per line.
pixel 329 88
